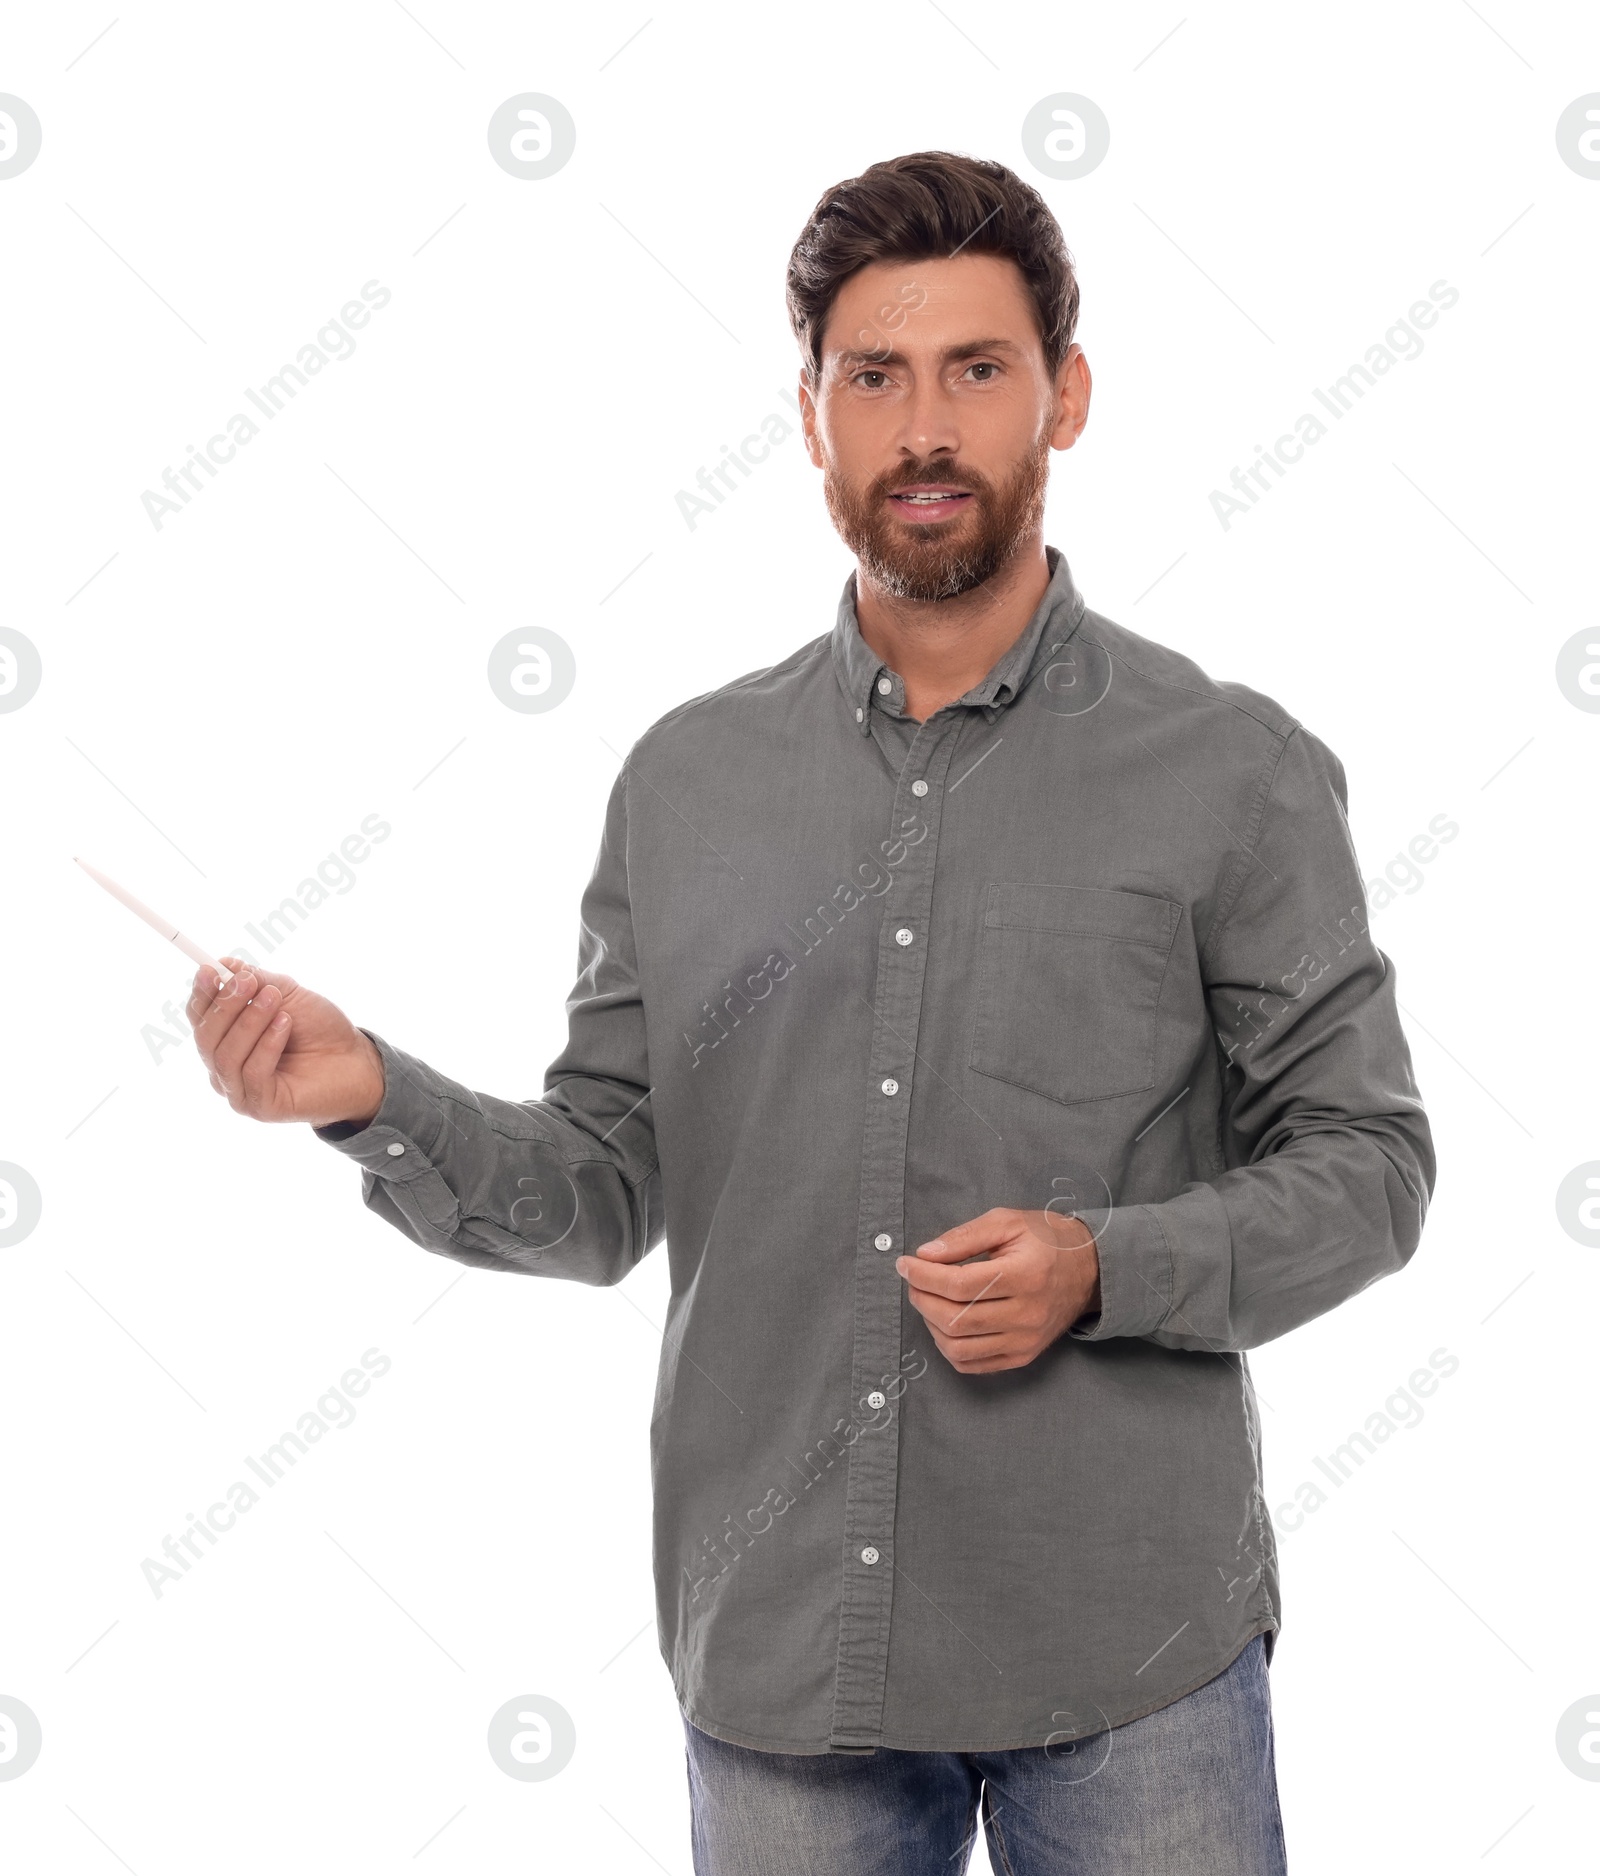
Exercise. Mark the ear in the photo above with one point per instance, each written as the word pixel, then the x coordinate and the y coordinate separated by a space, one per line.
pixel 1073 389
pixel 808 422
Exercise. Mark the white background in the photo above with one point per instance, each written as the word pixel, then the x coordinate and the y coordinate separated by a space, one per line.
pixel 225 698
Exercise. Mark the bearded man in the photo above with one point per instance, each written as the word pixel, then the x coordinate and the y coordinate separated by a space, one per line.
pixel 979 1002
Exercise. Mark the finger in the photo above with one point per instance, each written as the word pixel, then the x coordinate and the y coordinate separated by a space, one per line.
pixel 211 1030
pixel 280 980
pixel 243 1035
pixel 972 1355
pixel 997 1364
pixel 968 1319
pixel 964 1283
pixel 989 1315
pixel 985 1233
pixel 208 986
pixel 261 1064
pixel 203 993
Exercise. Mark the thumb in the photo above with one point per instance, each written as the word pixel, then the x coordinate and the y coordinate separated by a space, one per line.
pixel 987 1232
pixel 280 980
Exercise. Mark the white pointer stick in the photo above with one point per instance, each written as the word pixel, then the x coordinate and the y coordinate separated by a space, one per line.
pixel 165 926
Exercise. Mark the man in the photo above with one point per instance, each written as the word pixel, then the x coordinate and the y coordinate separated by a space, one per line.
pixel 980 1002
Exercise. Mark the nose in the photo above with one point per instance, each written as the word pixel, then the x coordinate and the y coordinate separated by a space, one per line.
pixel 928 426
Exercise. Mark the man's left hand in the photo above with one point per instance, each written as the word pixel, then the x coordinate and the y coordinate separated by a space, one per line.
pixel 1041 1273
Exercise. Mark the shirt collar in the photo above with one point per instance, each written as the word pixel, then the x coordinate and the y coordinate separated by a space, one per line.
pixel 858 667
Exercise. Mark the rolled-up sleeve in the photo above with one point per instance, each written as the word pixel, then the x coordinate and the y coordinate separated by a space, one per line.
pixel 566 1185
pixel 1329 1158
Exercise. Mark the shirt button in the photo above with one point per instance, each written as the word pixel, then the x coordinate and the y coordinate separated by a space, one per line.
pixel 891 1086
pixel 919 788
pixel 904 936
pixel 869 1555
pixel 884 687
pixel 858 716
pixel 882 1241
pixel 875 1399
pixel 395 1149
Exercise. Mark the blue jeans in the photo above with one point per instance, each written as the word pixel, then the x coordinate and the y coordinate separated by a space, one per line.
pixel 1189 1790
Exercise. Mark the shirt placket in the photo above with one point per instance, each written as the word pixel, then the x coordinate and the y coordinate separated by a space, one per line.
pixel 868 1563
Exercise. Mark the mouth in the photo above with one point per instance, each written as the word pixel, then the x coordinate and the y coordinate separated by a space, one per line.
pixel 929 502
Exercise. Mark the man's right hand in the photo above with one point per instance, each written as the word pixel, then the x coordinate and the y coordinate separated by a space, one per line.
pixel 280 1052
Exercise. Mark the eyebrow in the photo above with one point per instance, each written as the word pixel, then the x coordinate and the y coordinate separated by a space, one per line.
pixel 968 348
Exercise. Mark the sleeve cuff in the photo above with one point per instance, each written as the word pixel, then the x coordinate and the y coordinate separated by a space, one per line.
pixel 1135 1273
pixel 401 1139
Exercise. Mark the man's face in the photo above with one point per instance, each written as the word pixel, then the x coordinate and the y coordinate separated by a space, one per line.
pixel 934 418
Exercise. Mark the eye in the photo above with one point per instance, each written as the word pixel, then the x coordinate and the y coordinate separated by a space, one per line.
pixel 862 376
pixel 983 364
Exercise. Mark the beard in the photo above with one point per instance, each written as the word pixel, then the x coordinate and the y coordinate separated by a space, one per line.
pixel 939 559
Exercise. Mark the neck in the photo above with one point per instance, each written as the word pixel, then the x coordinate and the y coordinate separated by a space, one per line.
pixel 943 647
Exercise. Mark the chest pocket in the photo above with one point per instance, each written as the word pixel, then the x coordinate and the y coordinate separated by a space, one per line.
pixel 1069 978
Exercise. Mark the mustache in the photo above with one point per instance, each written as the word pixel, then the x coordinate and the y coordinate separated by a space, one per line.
pixel 932 476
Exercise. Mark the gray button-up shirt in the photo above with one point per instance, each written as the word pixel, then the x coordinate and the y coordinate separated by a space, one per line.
pixel 1091 938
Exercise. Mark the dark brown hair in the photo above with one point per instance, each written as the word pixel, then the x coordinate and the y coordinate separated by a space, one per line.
pixel 930 206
